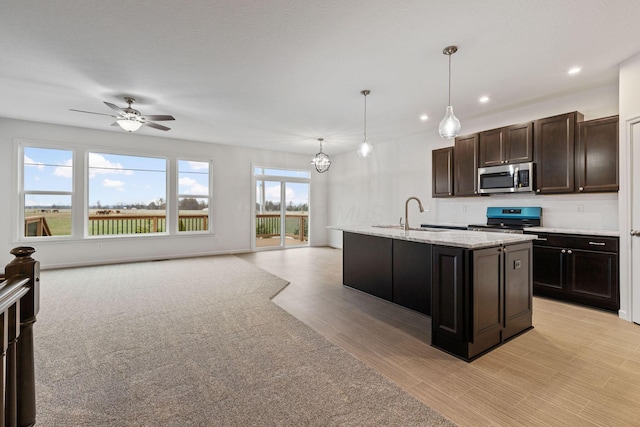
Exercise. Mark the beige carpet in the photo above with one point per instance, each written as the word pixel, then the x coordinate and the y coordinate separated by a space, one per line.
pixel 196 342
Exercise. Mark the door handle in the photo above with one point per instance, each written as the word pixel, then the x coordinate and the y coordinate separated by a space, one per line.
pixel 635 232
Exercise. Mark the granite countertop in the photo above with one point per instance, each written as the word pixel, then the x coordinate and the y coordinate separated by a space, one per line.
pixel 457 238
pixel 609 233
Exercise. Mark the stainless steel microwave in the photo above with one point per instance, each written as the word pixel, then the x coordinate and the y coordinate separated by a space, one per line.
pixel 513 178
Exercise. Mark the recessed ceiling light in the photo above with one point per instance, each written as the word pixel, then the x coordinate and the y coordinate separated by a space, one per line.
pixel 424 117
pixel 484 99
pixel 575 70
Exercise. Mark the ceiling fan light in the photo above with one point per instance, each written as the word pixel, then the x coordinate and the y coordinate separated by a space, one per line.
pixel 129 125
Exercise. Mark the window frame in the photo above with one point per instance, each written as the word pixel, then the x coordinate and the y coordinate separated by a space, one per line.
pixel 21 194
pixel 80 192
pixel 209 197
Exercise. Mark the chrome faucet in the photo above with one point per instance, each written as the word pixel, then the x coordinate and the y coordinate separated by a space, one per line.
pixel 406 211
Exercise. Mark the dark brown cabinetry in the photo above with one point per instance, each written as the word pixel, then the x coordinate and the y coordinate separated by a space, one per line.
pixel 395 270
pixel 554 152
pixel 442 172
pixel 596 157
pixel 465 165
pixel 367 264
pixel 480 298
pixel 412 275
pixel 511 144
pixel 576 268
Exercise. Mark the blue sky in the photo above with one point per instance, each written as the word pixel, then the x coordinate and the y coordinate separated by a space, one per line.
pixel 113 179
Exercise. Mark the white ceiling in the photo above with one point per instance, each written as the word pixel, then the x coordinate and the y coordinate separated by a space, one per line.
pixel 278 74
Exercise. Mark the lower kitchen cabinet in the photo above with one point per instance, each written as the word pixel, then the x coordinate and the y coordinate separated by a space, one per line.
pixel 577 268
pixel 367 264
pixel 412 275
pixel 481 298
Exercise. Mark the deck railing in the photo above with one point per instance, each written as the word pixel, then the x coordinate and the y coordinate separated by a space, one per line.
pixel 19 305
pixel 296 226
pixel 36 226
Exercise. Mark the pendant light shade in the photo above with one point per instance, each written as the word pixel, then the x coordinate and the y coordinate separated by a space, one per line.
pixel 450 125
pixel 321 161
pixel 365 148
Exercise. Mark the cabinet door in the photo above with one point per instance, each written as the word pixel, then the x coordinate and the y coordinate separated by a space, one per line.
pixel 491 148
pixel 593 278
pixel 466 165
pixel 449 291
pixel 442 172
pixel 597 155
pixel 367 264
pixel 488 299
pixel 518 289
pixel 548 273
pixel 518 147
pixel 554 145
pixel 412 275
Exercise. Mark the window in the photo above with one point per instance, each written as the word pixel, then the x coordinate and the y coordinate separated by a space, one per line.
pixel 127 195
pixel 47 191
pixel 193 196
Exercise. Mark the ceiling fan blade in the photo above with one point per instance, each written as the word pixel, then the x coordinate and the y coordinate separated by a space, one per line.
pixel 91 112
pixel 155 126
pixel 114 107
pixel 158 118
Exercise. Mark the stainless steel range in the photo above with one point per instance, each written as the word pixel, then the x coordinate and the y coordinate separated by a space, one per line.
pixel 510 220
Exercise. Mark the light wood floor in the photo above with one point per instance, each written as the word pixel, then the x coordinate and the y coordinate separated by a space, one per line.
pixel 578 366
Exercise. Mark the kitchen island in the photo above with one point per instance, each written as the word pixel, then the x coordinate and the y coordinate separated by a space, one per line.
pixel 476 286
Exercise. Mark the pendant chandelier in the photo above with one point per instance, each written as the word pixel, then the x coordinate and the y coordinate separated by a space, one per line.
pixel 450 125
pixel 365 148
pixel 321 161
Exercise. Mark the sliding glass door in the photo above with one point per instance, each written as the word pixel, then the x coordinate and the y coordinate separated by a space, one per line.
pixel 281 217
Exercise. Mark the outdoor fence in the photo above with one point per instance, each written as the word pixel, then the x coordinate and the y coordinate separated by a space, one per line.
pixel 110 224
pixel 296 226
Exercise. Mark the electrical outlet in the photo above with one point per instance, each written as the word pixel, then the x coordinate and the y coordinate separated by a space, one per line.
pixel 580 208
pixel 464 208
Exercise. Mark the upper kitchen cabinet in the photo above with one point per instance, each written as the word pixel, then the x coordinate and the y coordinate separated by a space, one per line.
pixel 597 155
pixel 554 152
pixel 511 144
pixel 442 172
pixel 465 165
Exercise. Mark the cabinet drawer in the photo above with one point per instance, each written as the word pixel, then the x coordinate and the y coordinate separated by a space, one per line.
pixel 593 243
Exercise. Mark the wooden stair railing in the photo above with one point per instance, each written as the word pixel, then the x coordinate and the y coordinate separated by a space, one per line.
pixel 19 305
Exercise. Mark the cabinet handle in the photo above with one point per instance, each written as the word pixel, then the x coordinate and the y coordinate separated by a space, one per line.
pixel 564 251
pixel 542 239
pixel 581 188
pixel 538 190
pixel 597 243
pixel 569 251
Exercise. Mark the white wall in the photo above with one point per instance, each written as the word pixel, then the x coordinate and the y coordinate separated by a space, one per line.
pixel 365 191
pixel 231 204
pixel 629 113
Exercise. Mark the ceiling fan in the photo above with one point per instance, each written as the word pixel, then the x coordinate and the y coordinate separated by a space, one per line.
pixel 130 119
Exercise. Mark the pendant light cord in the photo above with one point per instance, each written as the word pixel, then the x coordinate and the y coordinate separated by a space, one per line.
pixel 365 117
pixel 449 78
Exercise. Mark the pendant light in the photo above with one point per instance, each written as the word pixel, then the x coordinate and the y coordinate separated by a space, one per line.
pixel 450 125
pixel 365 149
pixel 321 161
